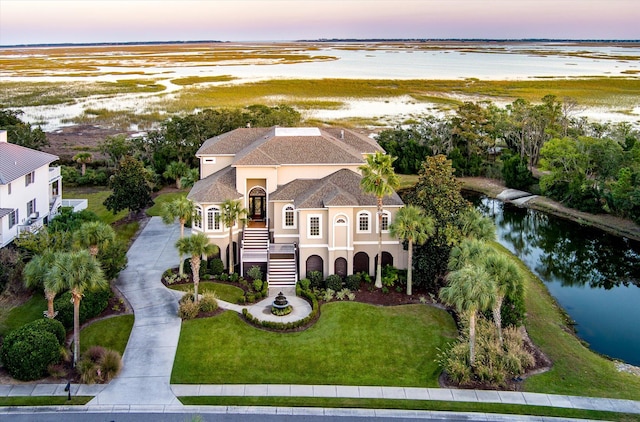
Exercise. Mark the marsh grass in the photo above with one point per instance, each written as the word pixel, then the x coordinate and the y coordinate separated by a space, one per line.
pixel 192 80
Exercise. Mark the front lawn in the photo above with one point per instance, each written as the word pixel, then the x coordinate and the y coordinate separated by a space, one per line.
pixel 110 333
pixel 351 344
pixel 226 292
pixel 29 311
pixel 155 209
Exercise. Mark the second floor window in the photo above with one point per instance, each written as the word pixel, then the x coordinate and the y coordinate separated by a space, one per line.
pixel 9 188
pixel 314 226
pixel 197 221
pixel 289 217
pixel 363 222
pixel 29 178
pixel 213 219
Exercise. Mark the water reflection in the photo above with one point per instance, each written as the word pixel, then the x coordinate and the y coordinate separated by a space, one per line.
pixel 594 276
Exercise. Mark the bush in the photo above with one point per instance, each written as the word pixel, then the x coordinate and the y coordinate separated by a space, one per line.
pixel 216 266
pixel 188 309
pixel 92 304
pixel 304 283
pixel 516 173
pixel 208 302
pixel 316 279
pixel 110 364
pixel 28 352
pixel 334 282
pixel 88 370
pixel 389 276
pixel 203 267
pixel 285 326
pixel 255 273
pixel 52 326
pixel 257 285
pixel 352 282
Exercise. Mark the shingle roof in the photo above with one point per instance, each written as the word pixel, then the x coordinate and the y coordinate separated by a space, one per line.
pixel 341 188
pixel 216 187
pixel 232 142
pixel 275 146
pixel 16 161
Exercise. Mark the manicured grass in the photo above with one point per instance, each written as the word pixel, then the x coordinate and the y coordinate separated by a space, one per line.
pixel 351 344
pixel 29 311
pixel 576 369
pixel 408 180
pixel 111 333
pixel 45 401
pixel 510 409
pixel 226 292
pixel 154 211
pixel 95 197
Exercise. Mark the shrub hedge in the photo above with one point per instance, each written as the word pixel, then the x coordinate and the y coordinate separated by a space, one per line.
pixel 286 326
pixel 92 304
pixel 28 351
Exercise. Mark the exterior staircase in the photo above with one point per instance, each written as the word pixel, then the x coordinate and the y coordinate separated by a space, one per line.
pixel 282 272
pixel 255 244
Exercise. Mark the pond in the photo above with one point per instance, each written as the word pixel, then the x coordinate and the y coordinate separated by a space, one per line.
pixel 594 276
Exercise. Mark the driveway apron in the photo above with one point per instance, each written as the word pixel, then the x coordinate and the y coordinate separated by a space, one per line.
pixel 148 358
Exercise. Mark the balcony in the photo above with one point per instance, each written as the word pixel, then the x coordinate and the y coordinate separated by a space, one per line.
pixel 54 174
pixel 31 224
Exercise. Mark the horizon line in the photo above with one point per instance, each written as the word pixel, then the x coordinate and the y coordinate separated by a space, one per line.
pixel 336 40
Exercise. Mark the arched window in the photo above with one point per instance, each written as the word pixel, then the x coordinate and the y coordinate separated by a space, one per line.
pixel 364 222
pixel 386 220
pixel 315 263
pixel 213 219
pixel 340 267
pixel 289 217
pixel 197 221
pixel 361 263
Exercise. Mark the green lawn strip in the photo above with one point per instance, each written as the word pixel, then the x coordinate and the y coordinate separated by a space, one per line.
pixel 29 311
pixel 154 211
pixel 95 197
pixel 111 333
pixel 45 401
pixel 436 405
pixel 351 344
pixel 226 292
pixel 576 369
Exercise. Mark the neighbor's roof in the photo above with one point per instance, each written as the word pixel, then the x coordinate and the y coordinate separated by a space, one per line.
pixel 5 211
pixel 341 188
pixel 216 187
pixel 16 161
pixel 277 146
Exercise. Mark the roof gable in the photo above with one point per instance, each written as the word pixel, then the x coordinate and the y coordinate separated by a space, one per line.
pixel 16 161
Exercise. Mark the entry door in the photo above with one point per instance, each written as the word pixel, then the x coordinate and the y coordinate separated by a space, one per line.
pixel 257 207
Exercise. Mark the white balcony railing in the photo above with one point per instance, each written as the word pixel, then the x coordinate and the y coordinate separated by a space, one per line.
pixel 54 174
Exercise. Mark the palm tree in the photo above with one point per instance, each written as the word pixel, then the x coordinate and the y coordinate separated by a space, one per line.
pixel 94 235
pixel 411 225
pixel 175 170
pixel 507 277
pixel 468 252
pixel 83 158
pixel 379 179
pixel 231 212
pixel 197 245
pixel 475 225
pixel 36 275
pixel 182 209
pixel 470 290
pixel 77 271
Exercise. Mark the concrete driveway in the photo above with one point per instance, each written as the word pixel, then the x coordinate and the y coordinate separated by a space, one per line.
pixel 148 358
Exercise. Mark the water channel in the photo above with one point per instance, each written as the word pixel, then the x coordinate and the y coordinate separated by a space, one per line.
pixel 594 276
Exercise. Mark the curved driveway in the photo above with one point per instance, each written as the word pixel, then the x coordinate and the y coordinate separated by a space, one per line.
pixel 148 358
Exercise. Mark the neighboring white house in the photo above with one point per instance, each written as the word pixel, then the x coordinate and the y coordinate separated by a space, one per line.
pixel 30 190
pixel 301 187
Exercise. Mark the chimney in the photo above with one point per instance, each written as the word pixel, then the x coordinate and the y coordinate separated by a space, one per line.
pixel 3 136
pixel 341 133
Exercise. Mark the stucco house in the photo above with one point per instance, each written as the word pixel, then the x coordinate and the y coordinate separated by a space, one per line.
pixel 30 190
pixel 307 211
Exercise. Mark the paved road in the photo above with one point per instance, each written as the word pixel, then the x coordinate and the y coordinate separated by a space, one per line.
pixel 148 358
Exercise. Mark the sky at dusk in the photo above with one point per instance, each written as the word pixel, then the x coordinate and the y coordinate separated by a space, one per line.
pixel 55 21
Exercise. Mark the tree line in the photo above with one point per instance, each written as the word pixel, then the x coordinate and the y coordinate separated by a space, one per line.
pixel 587 165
